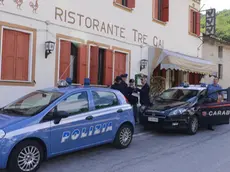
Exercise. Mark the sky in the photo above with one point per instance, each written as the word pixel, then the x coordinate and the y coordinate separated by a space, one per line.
pixel 217 4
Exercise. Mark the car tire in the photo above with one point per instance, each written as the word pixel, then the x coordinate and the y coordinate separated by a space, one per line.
pixel 193 125
pixel 35 155
pixel 124 136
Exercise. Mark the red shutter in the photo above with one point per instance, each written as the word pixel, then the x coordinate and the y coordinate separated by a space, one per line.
pixel 191 21
pixel 8 54
pixel 165 10
pixel 120 63
pixel 198 24
pixel 131 3
pixel 82 63
pixel 163 73
pixel 176 75
pixel 108 67
pixel 94 51
pixel 64 66
pixel 15 55
pixel 156 71
pixel 192 78
pixel 156 9
pixel 22 56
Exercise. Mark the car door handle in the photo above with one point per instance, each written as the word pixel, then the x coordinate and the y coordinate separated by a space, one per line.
pixel 119 110
pixel 89 118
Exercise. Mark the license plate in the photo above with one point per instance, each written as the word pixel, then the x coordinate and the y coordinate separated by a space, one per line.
pixel 153 119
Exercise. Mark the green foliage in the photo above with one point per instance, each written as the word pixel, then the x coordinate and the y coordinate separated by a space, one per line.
pixel 222 24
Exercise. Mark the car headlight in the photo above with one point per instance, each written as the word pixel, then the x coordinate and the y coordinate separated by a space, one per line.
pixel 178 111
pixel 2 134
pixel 142 109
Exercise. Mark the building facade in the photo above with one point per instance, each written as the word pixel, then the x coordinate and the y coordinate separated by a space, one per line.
pixel 91 42
pixel 218 51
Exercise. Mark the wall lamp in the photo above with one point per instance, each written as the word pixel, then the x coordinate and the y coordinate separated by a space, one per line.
pixel 49 45
pixel 143 64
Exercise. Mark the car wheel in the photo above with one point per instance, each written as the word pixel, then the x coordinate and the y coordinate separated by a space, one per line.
pixel 124 136
pixel 26 157
pixel 193 125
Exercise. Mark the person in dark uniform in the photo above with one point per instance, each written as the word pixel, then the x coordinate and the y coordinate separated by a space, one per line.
pixel 144 92
pixel 117 84
pixel 124 85
pixel 212 88
pixel 133 100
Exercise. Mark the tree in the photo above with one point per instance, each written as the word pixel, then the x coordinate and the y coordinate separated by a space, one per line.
pixel 222 24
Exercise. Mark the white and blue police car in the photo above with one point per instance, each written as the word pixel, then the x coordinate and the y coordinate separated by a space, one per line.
pixel 54 121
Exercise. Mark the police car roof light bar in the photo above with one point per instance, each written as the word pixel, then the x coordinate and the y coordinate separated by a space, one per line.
pixel 86 81
pixel 184 84
pixel 203 85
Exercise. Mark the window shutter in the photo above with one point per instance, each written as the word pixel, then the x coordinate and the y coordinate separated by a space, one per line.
pixel 131 3
pixel 191 21
pixel 198 24
pixel 22 56
pixel 15 55
pixel 8 54
pixel 191 78
pixel 94 51
pixel 163 73
pixel 120 63
pixel 82 64
pixel 64 66
pixel 108 66
pixel 156 10
pixel 165 11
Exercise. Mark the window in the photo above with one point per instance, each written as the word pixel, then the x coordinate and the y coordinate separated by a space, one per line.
pixel 101 64
pixel 75 104
pixel 16 53
pixel 220 71
pixel 161 10
pixel 220 51
pixel 32 103
pixel 104 99
pixel 126 3
pixel 178 95
pixel 72 61
pixel 194 22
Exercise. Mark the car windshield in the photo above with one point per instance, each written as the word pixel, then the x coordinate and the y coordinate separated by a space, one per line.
pixel 178 94
pixel 31 104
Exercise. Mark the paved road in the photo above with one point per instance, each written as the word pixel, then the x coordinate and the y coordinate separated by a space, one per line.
pixel 208 151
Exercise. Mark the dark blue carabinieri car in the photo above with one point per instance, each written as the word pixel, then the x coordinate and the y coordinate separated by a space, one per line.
pixel 187 108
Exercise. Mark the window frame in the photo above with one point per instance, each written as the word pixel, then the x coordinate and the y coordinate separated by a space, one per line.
pixel 31 58
pixel 159 18
pixel 194 22
pixel 92 44
pixel 121 6
pixel 128 60
pixel 94 106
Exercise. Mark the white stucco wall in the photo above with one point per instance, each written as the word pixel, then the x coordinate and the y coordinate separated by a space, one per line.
pixel 174 34
pixel 210 52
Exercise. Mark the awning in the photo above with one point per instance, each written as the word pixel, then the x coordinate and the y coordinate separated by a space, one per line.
pixel 178 61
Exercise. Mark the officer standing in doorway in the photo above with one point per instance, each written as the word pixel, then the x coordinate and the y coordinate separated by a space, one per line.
pixel 212 88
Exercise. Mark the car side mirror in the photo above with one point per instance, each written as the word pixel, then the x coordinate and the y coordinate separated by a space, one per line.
pixel 60 115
